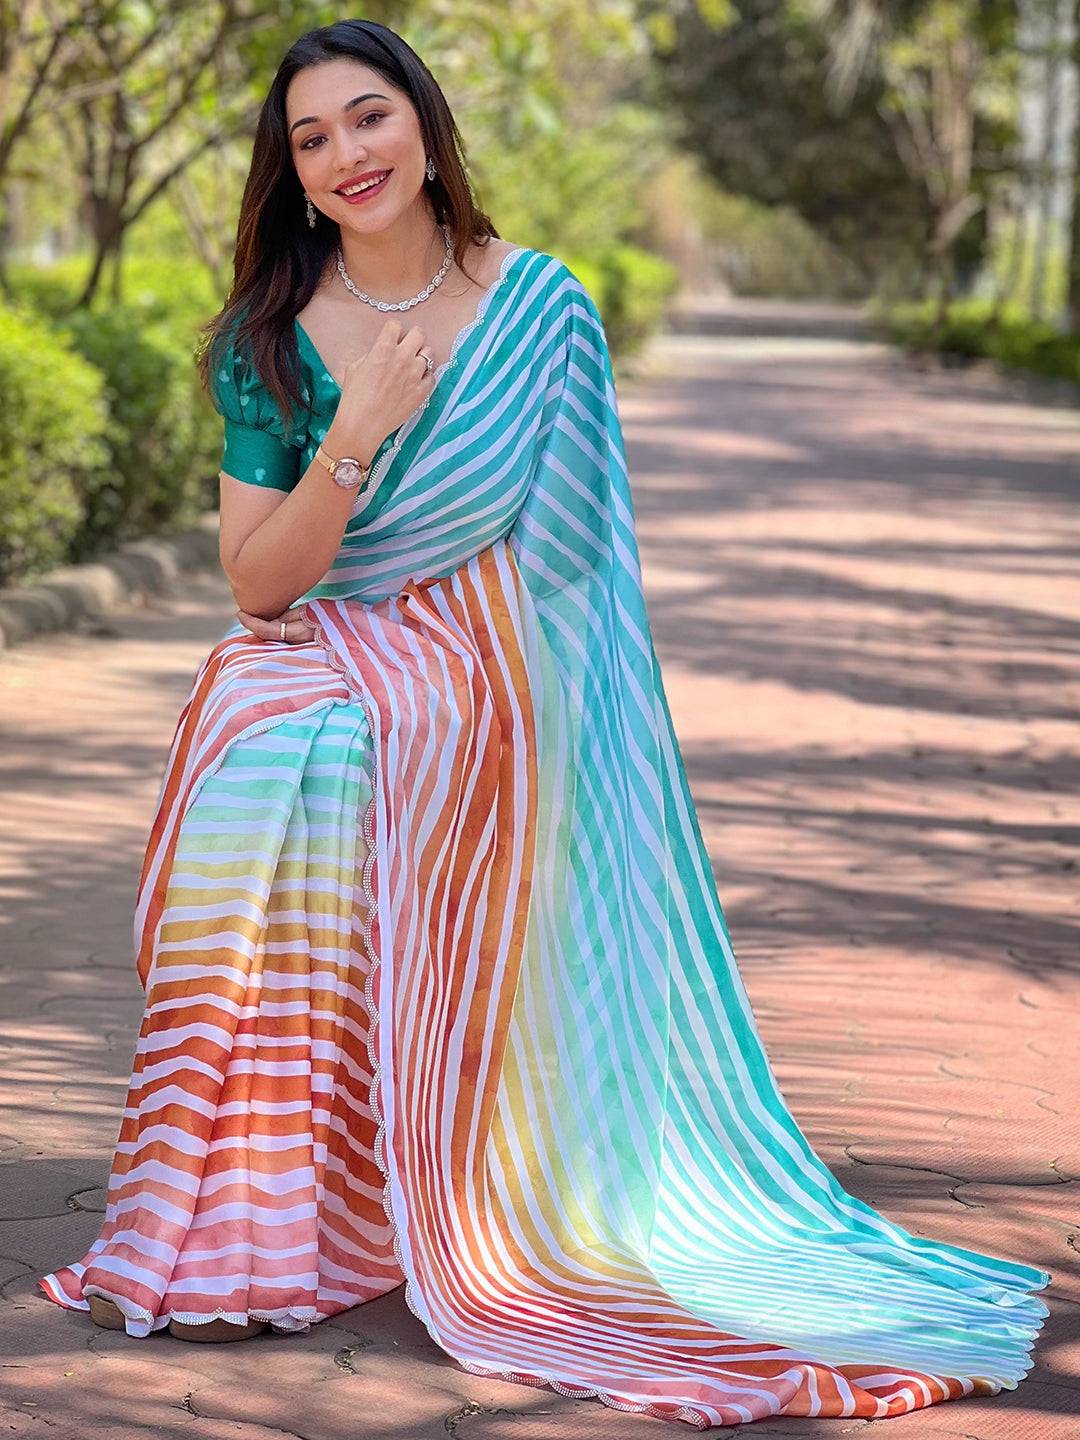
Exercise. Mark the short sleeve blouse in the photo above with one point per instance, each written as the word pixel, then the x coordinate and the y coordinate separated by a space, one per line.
pixel 259 448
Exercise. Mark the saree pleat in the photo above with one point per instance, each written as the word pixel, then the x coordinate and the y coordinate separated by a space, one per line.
pixel 542 1099
pixel 244 1182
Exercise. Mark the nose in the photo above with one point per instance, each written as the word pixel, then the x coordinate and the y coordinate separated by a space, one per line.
pixel 348 156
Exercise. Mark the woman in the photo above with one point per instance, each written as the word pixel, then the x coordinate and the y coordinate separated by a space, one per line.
pixel 438 984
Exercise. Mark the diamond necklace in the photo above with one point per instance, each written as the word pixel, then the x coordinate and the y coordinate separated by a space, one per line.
pixel 429 288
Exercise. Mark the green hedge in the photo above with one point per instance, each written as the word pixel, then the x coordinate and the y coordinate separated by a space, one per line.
pixel 163 436
pixel 53 442
pixel 768 250
pixel 156 475
pixel 974 329
pixel 177 290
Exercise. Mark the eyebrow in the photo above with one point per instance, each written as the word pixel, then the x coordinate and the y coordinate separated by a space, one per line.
pixel 313 119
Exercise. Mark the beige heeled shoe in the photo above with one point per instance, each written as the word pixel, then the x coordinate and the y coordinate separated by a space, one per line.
pixel 105 1313
pixel 109 1315
pixel 216 1330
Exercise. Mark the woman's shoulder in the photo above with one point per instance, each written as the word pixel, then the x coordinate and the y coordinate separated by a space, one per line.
pixel 495 249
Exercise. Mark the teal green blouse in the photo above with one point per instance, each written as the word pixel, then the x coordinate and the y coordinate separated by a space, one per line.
pixel 259 448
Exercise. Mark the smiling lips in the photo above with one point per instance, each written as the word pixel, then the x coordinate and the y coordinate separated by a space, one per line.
pixel 369 183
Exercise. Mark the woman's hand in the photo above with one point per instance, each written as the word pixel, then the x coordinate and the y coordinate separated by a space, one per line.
pixel 297 630
pixel 383 387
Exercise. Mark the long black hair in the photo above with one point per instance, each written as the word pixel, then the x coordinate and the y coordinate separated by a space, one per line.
pixel 279 258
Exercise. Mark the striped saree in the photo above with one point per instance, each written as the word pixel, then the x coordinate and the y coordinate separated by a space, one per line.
pixel 439 988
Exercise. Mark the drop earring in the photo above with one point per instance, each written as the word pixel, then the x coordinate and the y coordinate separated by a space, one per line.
pixel 310 212
pixel 430 169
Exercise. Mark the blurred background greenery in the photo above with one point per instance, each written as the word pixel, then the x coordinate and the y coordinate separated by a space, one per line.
pixel 916 158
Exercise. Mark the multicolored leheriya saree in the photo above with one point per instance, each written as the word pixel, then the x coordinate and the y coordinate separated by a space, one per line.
pixel 438 984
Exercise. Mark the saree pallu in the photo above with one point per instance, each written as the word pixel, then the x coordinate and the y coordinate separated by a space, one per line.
pixel 439 985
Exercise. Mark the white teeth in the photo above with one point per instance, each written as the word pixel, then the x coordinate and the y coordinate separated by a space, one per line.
pixel 355 189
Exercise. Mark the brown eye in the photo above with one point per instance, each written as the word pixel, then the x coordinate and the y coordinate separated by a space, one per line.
pixel 374 115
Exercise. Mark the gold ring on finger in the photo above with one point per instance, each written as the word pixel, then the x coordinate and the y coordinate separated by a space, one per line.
pixel 283 624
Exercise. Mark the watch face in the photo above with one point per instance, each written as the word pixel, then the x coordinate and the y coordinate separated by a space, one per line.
pixel 348 473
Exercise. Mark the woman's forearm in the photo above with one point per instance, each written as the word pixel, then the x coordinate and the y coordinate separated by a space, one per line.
pixel 295 546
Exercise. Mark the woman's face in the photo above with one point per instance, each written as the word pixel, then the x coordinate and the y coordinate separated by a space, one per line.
pixel 340 141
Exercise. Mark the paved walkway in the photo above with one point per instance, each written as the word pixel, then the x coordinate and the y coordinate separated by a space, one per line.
pixel 864 587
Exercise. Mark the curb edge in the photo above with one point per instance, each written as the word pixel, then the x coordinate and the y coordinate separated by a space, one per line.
pixel 59 598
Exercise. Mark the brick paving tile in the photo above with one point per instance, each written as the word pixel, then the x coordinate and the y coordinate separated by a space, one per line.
pixel 864 589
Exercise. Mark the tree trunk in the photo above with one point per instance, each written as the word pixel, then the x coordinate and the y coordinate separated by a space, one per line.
pixel 108 239
pixel 1047 36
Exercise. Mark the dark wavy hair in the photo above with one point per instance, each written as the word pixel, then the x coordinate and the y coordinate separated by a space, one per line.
pixel 279 258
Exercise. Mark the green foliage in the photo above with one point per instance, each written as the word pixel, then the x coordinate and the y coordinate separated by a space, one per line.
pixel 1017 269
pixel 172 299
pixel 178 289
pixel 755 108
pixel 53 449
pixel 770 250
pixel 151 479
pixel 630 287
pixel 49 290
pixel 163 436
pixel 573 188
pixel 976 329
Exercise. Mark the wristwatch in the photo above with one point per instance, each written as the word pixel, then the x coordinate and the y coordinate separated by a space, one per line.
pixel 348 472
